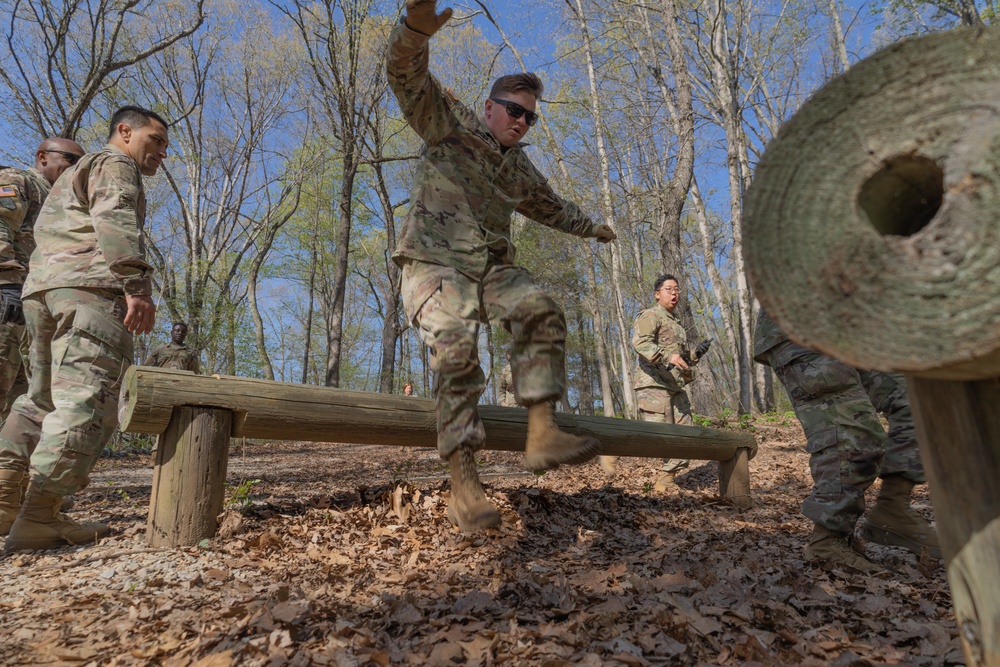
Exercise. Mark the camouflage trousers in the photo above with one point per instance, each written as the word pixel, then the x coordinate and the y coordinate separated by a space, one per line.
pixel 838 408
pixel 447 307
pixel 13 381
pixel 664 406
pixel 78 350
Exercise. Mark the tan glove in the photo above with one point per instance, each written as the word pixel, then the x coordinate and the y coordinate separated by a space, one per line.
pixel 604 234
pixel 422 16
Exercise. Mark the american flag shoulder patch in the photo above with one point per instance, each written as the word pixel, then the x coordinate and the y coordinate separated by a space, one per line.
pixel 7 191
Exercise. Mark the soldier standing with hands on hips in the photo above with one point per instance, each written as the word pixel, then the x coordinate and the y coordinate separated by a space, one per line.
pixel 88 292
pixel 457 258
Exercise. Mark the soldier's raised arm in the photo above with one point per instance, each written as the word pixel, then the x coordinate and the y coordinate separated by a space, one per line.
pixel 425 104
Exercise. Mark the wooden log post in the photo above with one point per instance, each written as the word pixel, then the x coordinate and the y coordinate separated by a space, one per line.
pixel 189 477
pixel 872 234
pixel 198 413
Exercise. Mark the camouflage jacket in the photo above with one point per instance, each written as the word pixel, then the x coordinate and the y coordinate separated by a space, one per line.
pixel 506 388
pixel 172 355
pixel 657 336
pixel 466 186
pixel 22 193
pixel 89 231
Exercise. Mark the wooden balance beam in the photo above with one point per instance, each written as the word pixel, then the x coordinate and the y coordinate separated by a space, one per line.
pixel 872 234
pixel 196 415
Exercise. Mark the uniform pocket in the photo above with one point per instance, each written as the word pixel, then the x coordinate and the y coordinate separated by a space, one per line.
pixel 813 376
pixel 99 349
pixel 419 283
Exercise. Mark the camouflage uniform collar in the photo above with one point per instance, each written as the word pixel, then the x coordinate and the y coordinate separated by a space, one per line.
pixel 110 147
pixel 36 174
pixel 669 314
pixel 484 130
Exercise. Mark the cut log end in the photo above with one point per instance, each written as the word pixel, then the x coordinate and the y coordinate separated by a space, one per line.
pixel 871 226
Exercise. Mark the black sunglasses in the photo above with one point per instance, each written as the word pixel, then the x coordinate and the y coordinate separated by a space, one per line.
pixel 515 110
pixel 70 157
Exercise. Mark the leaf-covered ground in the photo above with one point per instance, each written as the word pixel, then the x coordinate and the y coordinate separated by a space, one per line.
pixel 342 555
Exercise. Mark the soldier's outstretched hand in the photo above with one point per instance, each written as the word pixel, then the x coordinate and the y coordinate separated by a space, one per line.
pixel 422 16
pixel 604 234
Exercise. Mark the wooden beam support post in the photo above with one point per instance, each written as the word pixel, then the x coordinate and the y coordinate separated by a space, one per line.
pixel 189 477
pixel 872 234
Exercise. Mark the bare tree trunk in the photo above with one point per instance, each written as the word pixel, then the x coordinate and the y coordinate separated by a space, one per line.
pixel 586 404
pixel 608 210
pixel 839 43
pixel 607 398
pixel 390 322
pixel 313 260
pixel 724 88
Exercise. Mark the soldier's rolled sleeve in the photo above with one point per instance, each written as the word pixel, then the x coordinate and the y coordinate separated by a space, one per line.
pixel 548 208
pixel 113 194
pixel 12 269
pixel 422 100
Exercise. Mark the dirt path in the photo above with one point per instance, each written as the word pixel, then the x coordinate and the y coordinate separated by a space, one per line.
pixel 342 555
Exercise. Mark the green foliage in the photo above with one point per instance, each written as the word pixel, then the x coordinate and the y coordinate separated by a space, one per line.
pixel 240 496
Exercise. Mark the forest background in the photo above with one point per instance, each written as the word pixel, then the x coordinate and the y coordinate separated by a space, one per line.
pixel 273 219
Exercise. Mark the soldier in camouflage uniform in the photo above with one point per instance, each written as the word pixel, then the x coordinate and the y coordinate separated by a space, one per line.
pixel 174 354
pixel 838 407
pixel 22 193
pixel 88 291
pixel 660 340
pixel 457 259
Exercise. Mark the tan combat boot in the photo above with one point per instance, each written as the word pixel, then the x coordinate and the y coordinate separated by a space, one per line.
pixel 894 523
pixel 828 548
pixel 469 508
pixel 10 498
pixel 67 503
pixel 609 464
pixel 40 525
pixel 548 447
pixel 666 482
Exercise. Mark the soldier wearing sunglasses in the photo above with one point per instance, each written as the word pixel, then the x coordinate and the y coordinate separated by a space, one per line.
pixel 457 258
pixel 22 193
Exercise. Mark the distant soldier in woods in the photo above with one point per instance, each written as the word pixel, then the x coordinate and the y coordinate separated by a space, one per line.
pixel 838 406
pixel 174 354
pixel 457 259
pixel 664 367
pixel 88 291
pixel 22 193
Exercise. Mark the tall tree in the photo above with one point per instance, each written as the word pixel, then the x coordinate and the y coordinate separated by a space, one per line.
pixel 339 38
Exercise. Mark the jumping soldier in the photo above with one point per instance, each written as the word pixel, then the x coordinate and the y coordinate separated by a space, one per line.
pixel 838 407
pixel 88 291
pixel 457 259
